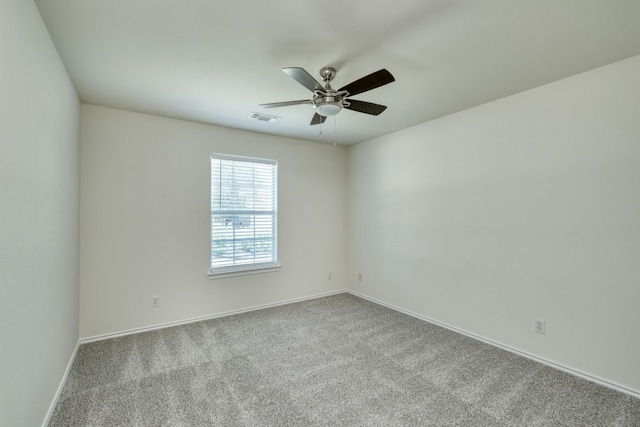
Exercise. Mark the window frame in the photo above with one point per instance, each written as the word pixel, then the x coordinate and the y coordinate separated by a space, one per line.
pixel 244 268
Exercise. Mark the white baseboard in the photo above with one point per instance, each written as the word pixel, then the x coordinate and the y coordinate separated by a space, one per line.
pixel 588 377
pixel 208 317
pixel 63 381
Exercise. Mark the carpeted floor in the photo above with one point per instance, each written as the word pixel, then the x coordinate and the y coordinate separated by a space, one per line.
pixel 333 361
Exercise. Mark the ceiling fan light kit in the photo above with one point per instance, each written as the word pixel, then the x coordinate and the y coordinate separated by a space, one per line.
pixel 327 101
pixel 327 107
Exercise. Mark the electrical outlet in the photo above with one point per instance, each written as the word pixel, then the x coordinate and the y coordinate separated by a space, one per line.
pixel 155 301
pixel 359 277
pixel 540 326
pixel 330 276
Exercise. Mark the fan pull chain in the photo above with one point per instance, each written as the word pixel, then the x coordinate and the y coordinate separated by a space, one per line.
pixel 335 132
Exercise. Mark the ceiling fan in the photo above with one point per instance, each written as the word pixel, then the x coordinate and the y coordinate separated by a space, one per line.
pixel 328 101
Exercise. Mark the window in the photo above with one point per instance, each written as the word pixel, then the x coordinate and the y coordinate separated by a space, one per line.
pixel 243 214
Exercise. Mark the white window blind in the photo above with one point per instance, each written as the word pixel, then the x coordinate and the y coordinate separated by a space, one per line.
pixel 243 213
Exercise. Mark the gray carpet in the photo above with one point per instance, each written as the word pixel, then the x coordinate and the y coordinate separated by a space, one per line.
pixel 333 361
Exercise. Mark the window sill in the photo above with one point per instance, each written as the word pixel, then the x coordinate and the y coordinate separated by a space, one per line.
pixel 222 275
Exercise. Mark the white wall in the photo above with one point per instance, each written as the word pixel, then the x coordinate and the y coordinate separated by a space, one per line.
pixel 145 190
pixel 38 217
pixel 527 207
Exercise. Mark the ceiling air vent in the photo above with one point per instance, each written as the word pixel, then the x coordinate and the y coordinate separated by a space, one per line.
pixel 264 117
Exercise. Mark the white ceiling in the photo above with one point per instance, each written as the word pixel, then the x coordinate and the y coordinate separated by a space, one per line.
pixel 214 61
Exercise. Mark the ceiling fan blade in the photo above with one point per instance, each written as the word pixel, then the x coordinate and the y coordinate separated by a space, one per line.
pixel 365 107
pixel 304 78
pixel 285 104
pixel 372 81
pixel 317 119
